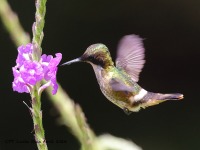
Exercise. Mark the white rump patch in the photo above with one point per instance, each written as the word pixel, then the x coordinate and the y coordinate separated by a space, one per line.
pixel 140 95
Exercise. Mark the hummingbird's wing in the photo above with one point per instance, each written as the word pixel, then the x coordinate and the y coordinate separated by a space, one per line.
pixel 130 55
pixel 118 85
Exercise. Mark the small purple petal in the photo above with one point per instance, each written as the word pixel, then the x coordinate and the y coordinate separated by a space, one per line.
pixel 25 49
pixel 55 86
pixel 55 61
pixel 18 84
pixel 46 58
pixel 24 53
pixel 50 65
pixel 53 71
pixel 31 72
pixel 50 69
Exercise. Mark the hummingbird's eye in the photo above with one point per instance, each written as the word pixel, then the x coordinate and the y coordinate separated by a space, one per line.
pixel 96 60
pixel 90 58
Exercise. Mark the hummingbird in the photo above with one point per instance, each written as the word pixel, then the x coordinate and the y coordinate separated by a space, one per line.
pixel 118 82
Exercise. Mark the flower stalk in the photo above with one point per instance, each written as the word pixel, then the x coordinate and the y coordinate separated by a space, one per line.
pixel 38 27
pixel 38 35
pixel 37 120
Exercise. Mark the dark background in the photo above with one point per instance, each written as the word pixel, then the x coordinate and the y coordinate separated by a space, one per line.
pixel 171 29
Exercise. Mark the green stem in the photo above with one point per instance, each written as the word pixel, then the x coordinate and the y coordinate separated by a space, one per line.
pixel 12 24
pixel 38 34
pixel 37 120
pixel 38 27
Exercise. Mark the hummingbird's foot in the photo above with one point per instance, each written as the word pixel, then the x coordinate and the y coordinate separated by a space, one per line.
pixel 127 111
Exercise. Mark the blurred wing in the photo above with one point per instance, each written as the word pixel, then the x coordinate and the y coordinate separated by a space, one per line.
pixel 130 55
pixel 118 85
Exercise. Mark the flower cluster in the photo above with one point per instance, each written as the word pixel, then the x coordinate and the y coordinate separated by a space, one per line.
pixel 29 72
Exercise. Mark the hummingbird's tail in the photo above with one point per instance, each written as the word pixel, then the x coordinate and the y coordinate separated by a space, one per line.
pixel 155 98
pixel 159 96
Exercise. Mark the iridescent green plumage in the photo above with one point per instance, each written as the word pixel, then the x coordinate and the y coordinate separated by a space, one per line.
pixel 119 97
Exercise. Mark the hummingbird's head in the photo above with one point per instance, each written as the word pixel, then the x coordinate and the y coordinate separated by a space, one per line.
pixel 96 54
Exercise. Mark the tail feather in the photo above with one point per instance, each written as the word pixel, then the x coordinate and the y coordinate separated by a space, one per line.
pixel 174 96
pixel 159 96
pixel 156 98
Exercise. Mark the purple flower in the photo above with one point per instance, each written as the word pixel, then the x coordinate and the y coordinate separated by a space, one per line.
pixel 28 72
pixel 50 68
pixel 18 84
pixel 24 53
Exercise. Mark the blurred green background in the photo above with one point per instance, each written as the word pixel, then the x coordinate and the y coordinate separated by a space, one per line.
pixel 171 29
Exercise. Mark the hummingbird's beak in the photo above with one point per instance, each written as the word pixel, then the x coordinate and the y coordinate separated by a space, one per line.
pixel 71 61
